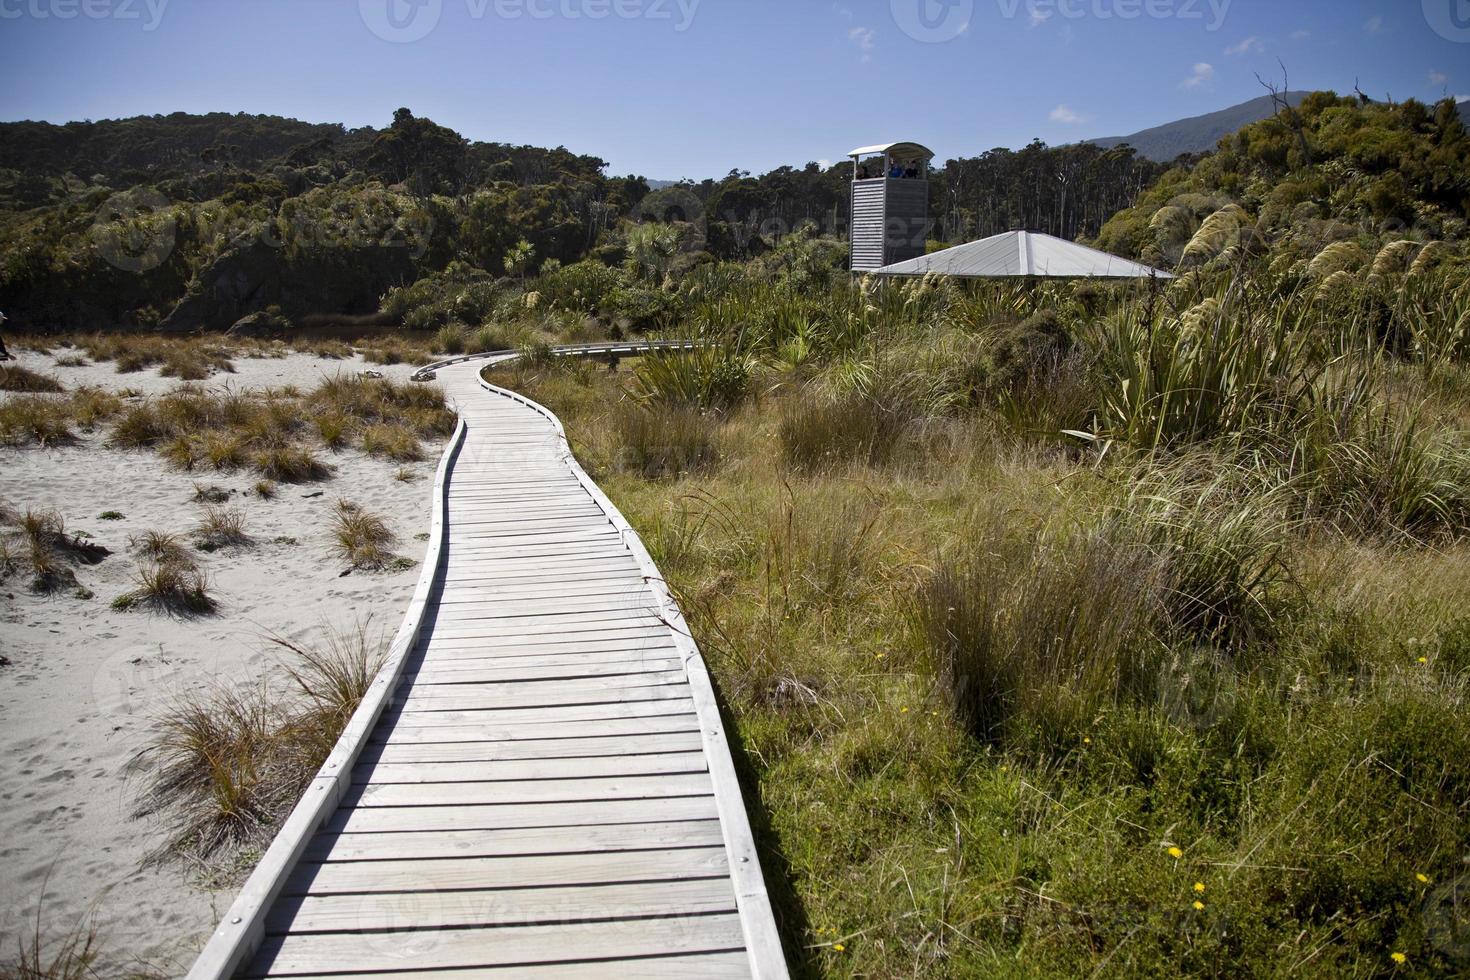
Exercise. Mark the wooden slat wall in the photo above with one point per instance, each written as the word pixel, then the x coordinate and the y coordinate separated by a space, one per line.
pixel 548 792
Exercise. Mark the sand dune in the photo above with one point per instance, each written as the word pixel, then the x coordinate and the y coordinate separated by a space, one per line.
pixel 83 681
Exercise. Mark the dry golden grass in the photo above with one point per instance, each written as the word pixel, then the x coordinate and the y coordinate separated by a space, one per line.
pixel 363 538
pixel 221 527
pixel 16 378
pixel 224 768
pixel 37 543
pixel 174 586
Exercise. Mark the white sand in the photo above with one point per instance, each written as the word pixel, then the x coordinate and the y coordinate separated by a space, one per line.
pixel 84 681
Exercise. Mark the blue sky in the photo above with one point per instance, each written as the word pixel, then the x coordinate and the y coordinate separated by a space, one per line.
pixel 693 88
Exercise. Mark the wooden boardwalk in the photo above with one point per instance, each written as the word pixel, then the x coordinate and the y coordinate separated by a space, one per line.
pixel 539 784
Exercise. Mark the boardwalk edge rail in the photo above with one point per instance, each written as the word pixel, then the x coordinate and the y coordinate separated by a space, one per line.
pixel 242 930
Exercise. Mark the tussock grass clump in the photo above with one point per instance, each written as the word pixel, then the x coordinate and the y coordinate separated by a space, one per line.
pixel 1041 631
pixel 38 542
pixel 13 377
pixel 363 538
pixel 817 432
pixel 451 339
pixel 161 547
pixel 662 441
pixel 34 420
pixel 195 362
pixel 395 441
pixel 224 768
pixel 172 585
pixel 290 464
pixel 221 527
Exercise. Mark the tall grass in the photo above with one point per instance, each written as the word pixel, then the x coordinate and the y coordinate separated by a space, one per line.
pixel 224 768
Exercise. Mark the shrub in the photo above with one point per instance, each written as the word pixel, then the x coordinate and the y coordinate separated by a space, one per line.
pixel 450 339
pixel 710 378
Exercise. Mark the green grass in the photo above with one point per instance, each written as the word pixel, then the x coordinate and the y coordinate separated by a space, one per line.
pixel 987 679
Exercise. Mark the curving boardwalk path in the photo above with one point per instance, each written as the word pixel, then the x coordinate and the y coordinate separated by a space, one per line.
pixel 539 784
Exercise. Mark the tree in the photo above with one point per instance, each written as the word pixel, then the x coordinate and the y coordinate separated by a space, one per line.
pixel 518 260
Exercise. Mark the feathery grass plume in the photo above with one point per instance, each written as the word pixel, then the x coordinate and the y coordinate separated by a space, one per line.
pixel 1430 256
pixel 1337 257
pixel 1393 259
pixel 364 539
pixel 34 419
pixel 1218 232
pixel 1340 286
pixel 1172 227
pixel 13 377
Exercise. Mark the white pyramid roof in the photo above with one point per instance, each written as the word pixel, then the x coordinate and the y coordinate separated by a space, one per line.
pixel 1022 254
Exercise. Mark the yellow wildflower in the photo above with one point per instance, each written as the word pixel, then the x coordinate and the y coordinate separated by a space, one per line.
pixel 1424 660
pixel 1423 878
pixel 1175 852
pixel 1399 958
pixel 1199 886
pixel 839 947
pixel 1199 906
pixel 1087 741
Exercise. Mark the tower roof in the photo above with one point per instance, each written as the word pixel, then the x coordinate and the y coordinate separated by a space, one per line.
pixel 1020 254
pixel 901 149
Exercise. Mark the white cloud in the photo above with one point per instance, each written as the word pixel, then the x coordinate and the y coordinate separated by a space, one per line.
pixel 1438 78
pixel 825 164
pixel 1300 35
pixel 1251 45
pixel 1204 72
pixel 1373 26
pixel 1462 98
pixel 1067 116
pixel 865 39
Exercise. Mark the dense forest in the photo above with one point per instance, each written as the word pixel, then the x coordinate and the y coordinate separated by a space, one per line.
pixel 193 222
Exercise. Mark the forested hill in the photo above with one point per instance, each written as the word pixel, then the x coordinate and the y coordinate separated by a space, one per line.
pixel 189 222
pixel 1198 134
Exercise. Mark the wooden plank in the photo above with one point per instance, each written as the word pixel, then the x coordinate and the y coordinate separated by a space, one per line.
pixel 555 748
pixel 584 586
pixel 652 643
pixel 491 697
pixel 517 817
pixel 502 719
pixel 706 966
pixel 532 871
pixel 403 774
pixel 435 845
pixel 518 945
pixel 305 915
pixel 638 603
pixel 487 672
pixel 531 791
pixel 569 626
pixel 491 733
